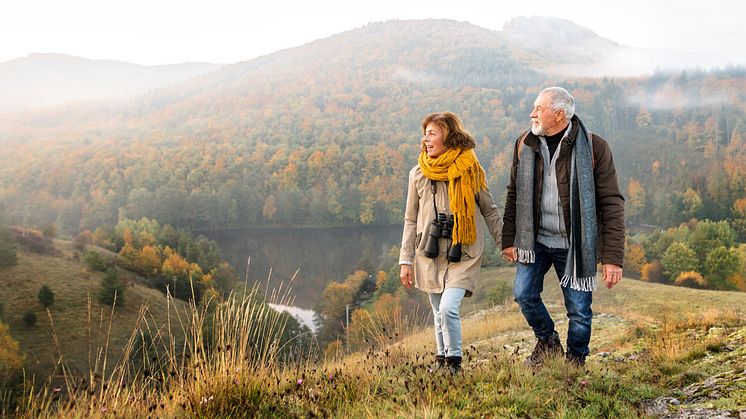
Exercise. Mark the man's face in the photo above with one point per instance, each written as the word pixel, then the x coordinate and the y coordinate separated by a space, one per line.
pixel 544 120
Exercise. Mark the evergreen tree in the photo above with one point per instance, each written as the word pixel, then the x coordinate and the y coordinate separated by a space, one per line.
pixel 29 319
pixel 46 296
pixel 111 289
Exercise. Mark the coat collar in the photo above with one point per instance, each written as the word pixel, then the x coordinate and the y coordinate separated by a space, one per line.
pixel 533 141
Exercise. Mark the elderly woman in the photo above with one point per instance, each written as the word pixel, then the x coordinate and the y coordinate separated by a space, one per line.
pixel 442 245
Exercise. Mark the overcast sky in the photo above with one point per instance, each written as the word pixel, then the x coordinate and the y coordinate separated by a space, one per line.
pixel 227 31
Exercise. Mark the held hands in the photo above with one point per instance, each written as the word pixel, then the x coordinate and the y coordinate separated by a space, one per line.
pixel 509 254
pixel 612 274
pixel 405 274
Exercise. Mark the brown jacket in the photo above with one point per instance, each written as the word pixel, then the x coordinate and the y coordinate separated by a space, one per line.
pixel 609 201
pixel 434 275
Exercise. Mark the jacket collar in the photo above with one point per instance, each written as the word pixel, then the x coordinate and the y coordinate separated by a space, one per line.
pixel 533 141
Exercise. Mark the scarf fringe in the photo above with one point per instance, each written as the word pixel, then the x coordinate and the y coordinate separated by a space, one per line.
pixel 587 284
pixel 525 255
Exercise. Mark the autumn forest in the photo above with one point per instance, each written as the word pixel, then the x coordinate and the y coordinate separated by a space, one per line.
pixel 324 134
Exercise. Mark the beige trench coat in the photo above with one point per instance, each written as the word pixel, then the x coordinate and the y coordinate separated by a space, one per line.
pixel 434 275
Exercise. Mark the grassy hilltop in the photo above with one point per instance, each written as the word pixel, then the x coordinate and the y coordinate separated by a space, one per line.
pixel 650 341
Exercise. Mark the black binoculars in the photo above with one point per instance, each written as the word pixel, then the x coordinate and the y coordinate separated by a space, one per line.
pixel 442 227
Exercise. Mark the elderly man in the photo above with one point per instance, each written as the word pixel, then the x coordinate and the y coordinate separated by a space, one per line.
pixel 563 208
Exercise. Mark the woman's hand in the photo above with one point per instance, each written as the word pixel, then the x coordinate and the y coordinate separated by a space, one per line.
pixel 405 274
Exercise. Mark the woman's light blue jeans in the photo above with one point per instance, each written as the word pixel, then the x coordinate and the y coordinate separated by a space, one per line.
pixel 447 320
pixel 529 284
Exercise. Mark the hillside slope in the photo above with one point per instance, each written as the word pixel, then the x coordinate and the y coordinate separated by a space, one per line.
pixel 80 328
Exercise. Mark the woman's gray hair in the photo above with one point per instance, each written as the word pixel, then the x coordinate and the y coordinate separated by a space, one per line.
pixel 560 98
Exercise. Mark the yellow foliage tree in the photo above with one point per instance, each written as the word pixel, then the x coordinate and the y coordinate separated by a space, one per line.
pixel 634 260
pixel 739 281
pixel 11 358
pixel 148 261
pixel 739 207
pixel 129 251
pixel 635 203
pixel 176 266
pixel 691 279
pixel 652 272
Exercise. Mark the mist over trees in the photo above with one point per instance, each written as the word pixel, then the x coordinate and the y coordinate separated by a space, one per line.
pixel 324 134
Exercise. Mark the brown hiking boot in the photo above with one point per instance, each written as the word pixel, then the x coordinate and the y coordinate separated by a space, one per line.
pixel 544 349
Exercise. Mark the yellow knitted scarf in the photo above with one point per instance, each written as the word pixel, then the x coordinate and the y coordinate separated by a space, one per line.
pixel 465 178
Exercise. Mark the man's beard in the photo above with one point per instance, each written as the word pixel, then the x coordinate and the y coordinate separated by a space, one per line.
pixel 538 131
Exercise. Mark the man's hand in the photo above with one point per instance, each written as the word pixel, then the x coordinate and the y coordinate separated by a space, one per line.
pixel 405 274
pixel 509 254
pixel 612 275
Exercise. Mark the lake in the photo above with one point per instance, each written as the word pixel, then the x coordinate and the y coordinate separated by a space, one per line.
pixel 320 255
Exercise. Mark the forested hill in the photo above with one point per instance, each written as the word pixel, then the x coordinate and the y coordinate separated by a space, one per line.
pixel 323 134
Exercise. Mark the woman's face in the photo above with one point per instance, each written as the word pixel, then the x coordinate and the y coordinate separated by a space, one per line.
pixel 434 140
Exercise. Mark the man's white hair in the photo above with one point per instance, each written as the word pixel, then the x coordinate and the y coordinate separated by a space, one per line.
pixel 560 99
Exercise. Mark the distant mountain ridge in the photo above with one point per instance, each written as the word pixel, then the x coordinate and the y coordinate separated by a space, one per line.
pixel 547 45
pixel 41 80
pixel 324 133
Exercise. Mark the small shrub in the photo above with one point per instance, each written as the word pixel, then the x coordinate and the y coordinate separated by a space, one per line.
pixel 111 289
pixel 691 279
pixel 34 241
pixel 46 296
pixel 49 231
pixel 94 260
pixel 501 292
pixel 83 239
pixel 29 318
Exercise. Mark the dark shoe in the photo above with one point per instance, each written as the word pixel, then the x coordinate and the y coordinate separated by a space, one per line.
pixel 543 349
pixel 440 361
pixel 574 360
pixel 454 364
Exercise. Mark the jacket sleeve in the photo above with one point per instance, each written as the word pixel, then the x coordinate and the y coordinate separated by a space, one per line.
pixel 508 233
pixel 409 235
pixel 491 214
pixel 609 205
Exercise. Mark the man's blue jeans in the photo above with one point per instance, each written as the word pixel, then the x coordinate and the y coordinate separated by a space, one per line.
pixel 529 283
pixel 447 320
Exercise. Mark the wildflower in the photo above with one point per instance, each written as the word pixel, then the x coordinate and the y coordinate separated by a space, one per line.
pixel 583 383
pixel 300 381
pixel 57 390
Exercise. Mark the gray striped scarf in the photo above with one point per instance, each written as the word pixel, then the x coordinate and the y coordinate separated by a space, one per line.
pixel 580 269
